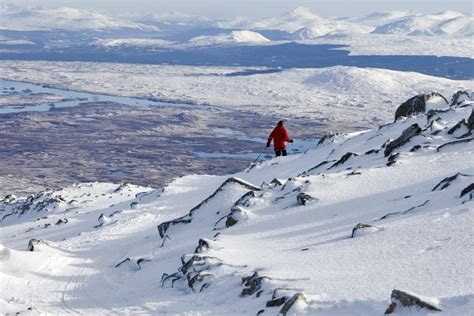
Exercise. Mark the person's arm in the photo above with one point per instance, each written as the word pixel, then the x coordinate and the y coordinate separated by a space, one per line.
pixel 286 137
pixel 270 137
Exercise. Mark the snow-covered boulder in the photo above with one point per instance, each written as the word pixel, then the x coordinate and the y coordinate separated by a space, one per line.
pixel 401 299
pixel 420 104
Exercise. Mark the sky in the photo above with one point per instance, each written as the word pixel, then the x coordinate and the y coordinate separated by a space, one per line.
pixel 254 8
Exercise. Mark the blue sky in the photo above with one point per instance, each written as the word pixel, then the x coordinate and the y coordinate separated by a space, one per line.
pixel 256 8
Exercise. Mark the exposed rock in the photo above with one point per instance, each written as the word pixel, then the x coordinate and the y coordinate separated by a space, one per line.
pixel 133 205
pixel 163 227
pixel 455 142
pixel 415 148
pixel 407 134
pixel 252 284
pixel 446 182
pixel 315 167
pixel 326 137
pixel 61 221
pixel 123 261
pixel 343 159
pixel 122 187
pixel 35 242
pixel 275 182
pixel 459 97
pixel 470 121
pixel 402 299
pixel 467 189
pixel 203 246
pixel 392 159
pixel 186 219
pixel 303 198
pixel 457 126
pixel 140 261
pixel 362 229
pixel 173 277
pixel 277 301
pixel 289 303
pixel 199 277
pixel 372 151
pixel 230 221
pixel 415 105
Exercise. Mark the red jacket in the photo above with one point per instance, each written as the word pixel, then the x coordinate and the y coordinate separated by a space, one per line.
pixel 279 136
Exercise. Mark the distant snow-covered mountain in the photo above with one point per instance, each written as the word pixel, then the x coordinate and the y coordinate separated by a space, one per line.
pixel 248 37
pixel 445 23
pixel 377 18
pixel 301 20
pixel 64 18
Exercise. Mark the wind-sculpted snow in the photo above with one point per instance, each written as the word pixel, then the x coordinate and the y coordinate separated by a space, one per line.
pixel 350 227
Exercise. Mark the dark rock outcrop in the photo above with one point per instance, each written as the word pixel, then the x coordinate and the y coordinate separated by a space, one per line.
pixel 203 246
pixel 186 219
pixel 277 301
pixel 359 227
pixel 289 303
pixel 61 221
pixel 455 142
pixel 459 97
pixel 446 182
pixel 402 299
pixel 467 190
pixel 415 105
pixel 407 134
pixel 343 159
pixel 470 121
pixel 252 284
pixel 33 243
pixel 303 198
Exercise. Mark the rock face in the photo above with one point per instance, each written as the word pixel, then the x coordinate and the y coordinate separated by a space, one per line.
pixel 415 105
pixel 403 139
pixel 470 121
pixel 252 284
pixel 402 299
pixel 304 198
pixel 295 298
pixel 34 242
pixel 362 229
pixel 459 97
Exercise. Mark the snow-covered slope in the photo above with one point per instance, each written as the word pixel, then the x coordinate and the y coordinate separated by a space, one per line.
pixel 245 37
pixel 444 23
pixel 356 224
pixel 63 18
pixel 293 21
pixel 378 18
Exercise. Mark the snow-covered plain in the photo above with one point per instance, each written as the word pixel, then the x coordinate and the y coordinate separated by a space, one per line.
pixel 289 220
pixel 339 94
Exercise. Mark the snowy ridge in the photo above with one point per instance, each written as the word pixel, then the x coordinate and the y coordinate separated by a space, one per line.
pixel 444 23
pixel 26 19
pixel 355 226
pixel 228 38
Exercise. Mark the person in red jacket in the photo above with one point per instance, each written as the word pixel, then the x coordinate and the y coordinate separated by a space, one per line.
pixel 279 136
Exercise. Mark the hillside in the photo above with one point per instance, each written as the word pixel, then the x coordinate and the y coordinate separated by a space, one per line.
pixel 360 222
pixel 444 23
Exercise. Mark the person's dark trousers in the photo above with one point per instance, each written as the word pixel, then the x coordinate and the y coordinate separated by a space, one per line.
pixel 280 152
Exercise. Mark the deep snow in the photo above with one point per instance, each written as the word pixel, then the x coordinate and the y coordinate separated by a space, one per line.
pixel 418 196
